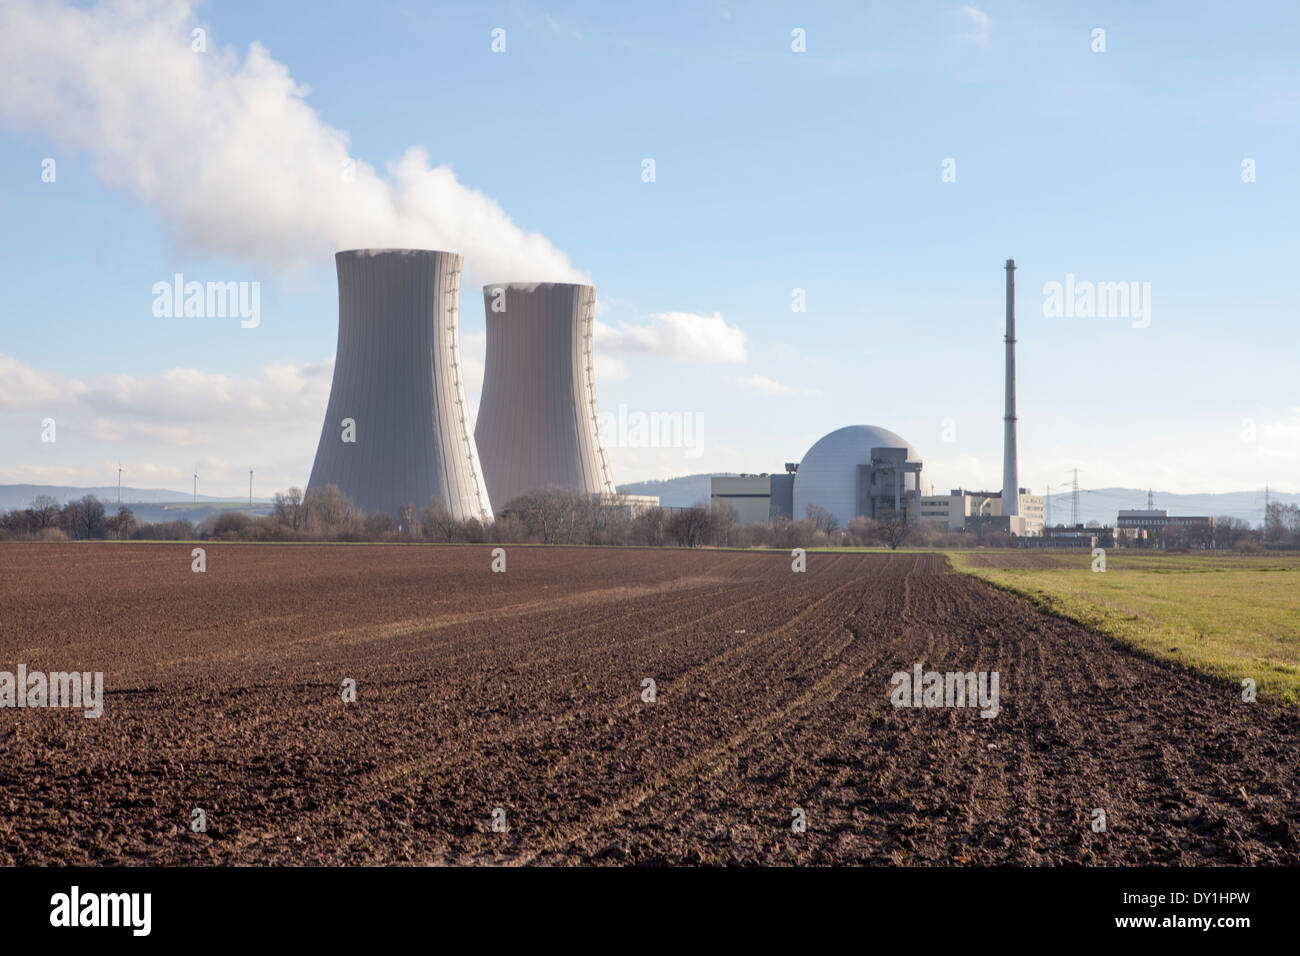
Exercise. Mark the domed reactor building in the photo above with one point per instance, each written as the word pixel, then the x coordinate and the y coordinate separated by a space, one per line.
pixel 538 425
pixel 860 471
pixel 396 429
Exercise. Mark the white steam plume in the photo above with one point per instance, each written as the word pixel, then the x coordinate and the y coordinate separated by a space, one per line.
pixel 228 150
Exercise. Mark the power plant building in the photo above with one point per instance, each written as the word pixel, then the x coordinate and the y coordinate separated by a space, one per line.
pixel 981 511
pixel 756 499
pixel 538 423
pixel 396 429
pixel 860 471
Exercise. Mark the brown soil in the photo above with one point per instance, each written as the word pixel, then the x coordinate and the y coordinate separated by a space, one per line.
pixel 523 691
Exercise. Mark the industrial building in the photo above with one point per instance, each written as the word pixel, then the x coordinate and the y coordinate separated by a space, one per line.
pixel 396 428
pixel 757 499
pixel 1077 536
pixel 1155 527
pixel 962 510
pixel 857 471
pixel 538 424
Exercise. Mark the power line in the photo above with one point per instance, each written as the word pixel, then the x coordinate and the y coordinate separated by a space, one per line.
pixel 1074 500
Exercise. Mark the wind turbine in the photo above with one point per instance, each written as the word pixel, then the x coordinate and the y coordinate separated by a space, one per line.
pixel 196 483
pixel 119 484
pixel 250 487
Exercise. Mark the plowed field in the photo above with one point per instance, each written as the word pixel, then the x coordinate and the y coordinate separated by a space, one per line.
pixel 521 692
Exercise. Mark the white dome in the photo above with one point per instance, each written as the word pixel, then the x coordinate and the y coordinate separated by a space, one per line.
pixel 828 474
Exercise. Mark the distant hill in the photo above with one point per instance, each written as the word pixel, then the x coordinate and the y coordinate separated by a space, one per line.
pixel 21 496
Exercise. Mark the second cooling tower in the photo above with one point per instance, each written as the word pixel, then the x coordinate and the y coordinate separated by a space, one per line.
pixel 396 430
pixel 538 425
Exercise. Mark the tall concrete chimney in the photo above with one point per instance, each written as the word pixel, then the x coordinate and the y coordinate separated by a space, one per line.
pixel 1010 478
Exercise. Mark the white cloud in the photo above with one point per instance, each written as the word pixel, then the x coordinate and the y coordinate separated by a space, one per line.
pixel 981 26
pixel 22 386
pixel 1280 440
pixel 767 386
pixel 162 426
pixel 610 368
pixel 179 407
pixel 227 148
pixel 677 335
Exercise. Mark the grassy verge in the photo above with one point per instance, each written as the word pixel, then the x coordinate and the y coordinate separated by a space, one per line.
pixel 1230 615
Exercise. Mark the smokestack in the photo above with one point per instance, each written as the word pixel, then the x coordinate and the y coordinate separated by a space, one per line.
pixel 538 425
pixel 1010 478
pixel 396 429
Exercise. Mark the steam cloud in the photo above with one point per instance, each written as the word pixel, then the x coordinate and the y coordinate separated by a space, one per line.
pixel 228 150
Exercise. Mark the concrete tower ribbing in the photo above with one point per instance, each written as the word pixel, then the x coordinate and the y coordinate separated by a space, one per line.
pixel 398 377
pixel 538 424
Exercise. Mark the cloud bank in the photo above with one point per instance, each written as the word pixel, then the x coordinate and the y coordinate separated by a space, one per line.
pixel 226 148
pixel 768 386
pixel 677 335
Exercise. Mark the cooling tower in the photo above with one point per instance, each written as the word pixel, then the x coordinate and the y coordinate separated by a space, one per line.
pixel 398 383
pixel 537 420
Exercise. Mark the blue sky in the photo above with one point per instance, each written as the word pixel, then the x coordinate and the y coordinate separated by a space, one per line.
pixel 774 171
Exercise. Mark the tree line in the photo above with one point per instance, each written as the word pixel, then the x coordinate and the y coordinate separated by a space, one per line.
pixel 554 516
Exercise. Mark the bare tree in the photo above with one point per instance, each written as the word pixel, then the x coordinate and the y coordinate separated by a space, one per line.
pixel 690 526
pixel 539 512
pixel 45 511
pixel 650 527
pixel 723 521
pixel 122 524
pixel 508 529
pixel 328 511
pixel 288 508
pixel 894 528
pixel 862 532
pixel 379 523
pixel 408 521
pixel 439 523
pixel 84 518
pixel 822 519
pixel 555 515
